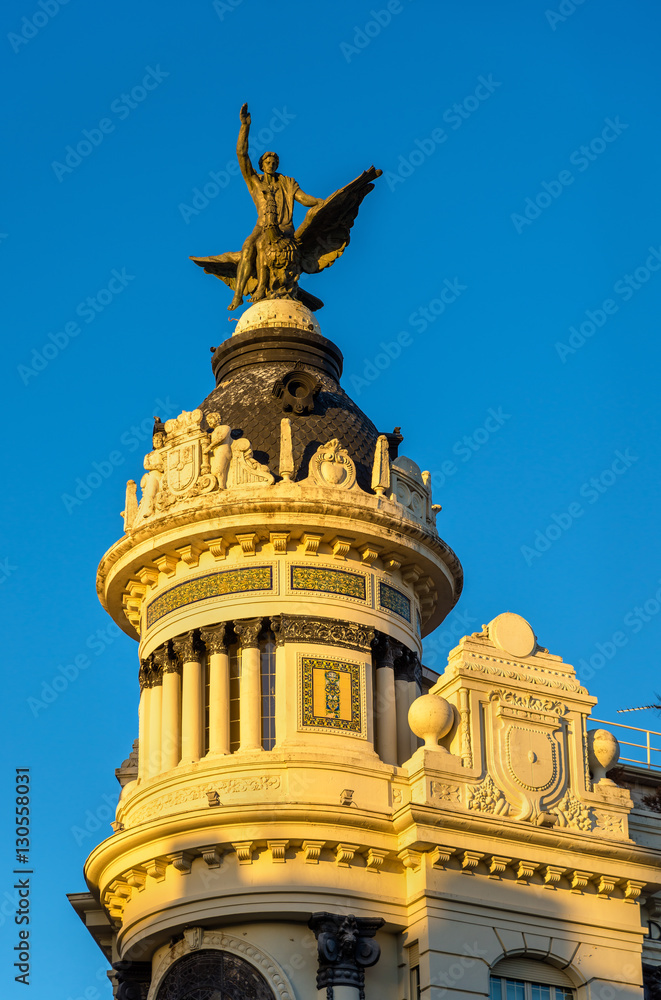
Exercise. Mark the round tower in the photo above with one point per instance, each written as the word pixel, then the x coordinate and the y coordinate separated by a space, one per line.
pixel 278 571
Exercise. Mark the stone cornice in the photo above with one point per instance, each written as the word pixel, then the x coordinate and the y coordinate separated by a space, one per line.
pixel 324 631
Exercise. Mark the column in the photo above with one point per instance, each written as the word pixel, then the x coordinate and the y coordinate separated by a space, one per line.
pixel 143 719
pixel 218 665
pixel 171 710
pixel 281 700
pixel 405 688
pixel 250 726
pixel 155 709
pixel 192 697
pixel 386 713
pixel 346 947
pixel 415 690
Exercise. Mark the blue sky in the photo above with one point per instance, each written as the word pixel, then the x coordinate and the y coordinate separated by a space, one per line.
pixel 510 252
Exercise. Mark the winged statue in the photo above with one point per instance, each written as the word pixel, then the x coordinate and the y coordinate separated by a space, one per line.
pixel 275 254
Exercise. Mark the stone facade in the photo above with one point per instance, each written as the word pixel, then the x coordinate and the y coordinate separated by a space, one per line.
pixel 299 807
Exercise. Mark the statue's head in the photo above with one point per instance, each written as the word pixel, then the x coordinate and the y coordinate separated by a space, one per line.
pixel 269 162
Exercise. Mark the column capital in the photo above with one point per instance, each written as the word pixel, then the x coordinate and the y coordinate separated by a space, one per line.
pixel 248 631
pixel 387 651
pixel 144 674
pixel 132 979
pixel 322 631
pixel 164 661
pixel 186 648
pixel 346 947
pixel 408 666
pixel 215 638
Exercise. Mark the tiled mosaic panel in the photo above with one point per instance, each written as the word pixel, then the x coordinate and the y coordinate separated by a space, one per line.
pixel 394 600
pixel 329 581
pixel 331 695
pixel 229 581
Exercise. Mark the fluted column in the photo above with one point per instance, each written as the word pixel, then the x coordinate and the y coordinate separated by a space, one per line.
pixel 250 701
pixel 143 719
pixel 386 712
pixel 192 697
pixel 218 665
pixel 171 710
pixel 155 709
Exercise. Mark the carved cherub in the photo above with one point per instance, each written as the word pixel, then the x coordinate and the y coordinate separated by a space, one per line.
pixel 150 483
pixel 220 448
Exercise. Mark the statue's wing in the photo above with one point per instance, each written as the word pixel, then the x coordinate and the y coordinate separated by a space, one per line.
pixel 224 266
pixel 325 231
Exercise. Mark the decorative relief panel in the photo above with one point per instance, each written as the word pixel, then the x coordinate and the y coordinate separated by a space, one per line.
pixel 343 583
pixel 487 798
pixel 332 696
pixel 527 758
pixel 394 600
pixel 325 631
pixel 222 584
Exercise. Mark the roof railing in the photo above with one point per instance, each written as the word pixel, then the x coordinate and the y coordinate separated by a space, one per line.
pixel 648 755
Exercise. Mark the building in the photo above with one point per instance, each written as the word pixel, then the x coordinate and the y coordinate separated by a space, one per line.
pixel 308 808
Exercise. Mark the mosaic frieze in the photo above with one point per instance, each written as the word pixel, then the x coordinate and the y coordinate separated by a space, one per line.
pixel 222 584
pixel 331 695
pixel 394 600
pixel 329 581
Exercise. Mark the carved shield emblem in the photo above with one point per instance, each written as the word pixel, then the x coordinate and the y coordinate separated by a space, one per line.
pixel 183 467
pixel 532 757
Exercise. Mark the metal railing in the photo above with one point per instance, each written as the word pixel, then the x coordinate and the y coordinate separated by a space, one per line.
pixel 647 754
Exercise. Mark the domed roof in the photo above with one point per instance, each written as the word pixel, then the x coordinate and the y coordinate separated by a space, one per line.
pixel 265 375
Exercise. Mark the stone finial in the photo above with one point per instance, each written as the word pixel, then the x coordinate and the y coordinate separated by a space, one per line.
pixel 431 718
pixel 512 634
pixel 130 511
pixel 286 450
pixel 381 466
pixel 603 754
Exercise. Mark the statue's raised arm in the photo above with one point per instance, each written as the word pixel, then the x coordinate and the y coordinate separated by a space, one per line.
pixel 274 255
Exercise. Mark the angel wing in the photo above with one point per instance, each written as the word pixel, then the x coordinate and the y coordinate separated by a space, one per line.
pixel 325 232
pixel 224 266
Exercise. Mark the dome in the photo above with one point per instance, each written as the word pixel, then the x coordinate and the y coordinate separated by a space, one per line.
pixel 266 374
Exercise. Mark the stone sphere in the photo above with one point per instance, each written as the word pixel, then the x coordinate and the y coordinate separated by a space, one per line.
pixel 277 313
pixel 431 718
pixel 603 753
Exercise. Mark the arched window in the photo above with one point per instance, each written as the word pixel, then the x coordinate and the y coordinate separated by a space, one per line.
pixel 527 979
pixel 213 975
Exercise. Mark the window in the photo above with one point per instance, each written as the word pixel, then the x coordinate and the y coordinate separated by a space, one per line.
pixel 414 970
pixel 267 651
pixel 519 989
pixel 235 684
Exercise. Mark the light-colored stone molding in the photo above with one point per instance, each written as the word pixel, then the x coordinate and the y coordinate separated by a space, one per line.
pixel 279 540
pixel 191 553
pixel 344 854
pixel 260 959
pixel 248 542
pixel 374 859
pixel 278 850
pixel 244 850
pixel 341 546
pixel 312 850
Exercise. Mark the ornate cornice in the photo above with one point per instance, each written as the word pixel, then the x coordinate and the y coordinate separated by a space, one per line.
pixel 323 631
pixel 215 638
pixel 248 631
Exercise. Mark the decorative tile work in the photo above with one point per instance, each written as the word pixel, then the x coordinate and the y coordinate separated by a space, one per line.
pixel 394 600
pixel 329 581
pixel 331 696
pixel 229 581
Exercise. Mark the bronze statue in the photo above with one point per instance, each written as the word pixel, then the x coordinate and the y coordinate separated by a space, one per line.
pixel 274 255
